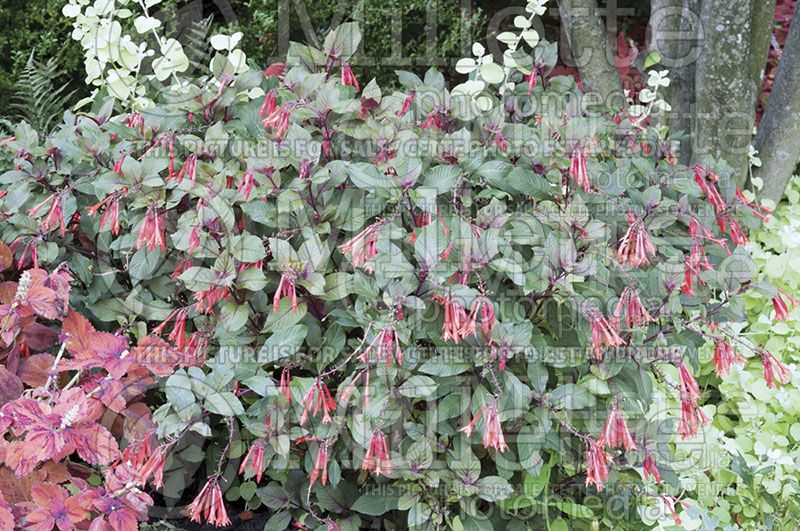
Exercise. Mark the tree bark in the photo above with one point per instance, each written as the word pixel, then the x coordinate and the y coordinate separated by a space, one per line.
pixel 725 91
pixel 760 40
pixel 778 139
pixel 674 33
pixel 665 23
pixel 588 41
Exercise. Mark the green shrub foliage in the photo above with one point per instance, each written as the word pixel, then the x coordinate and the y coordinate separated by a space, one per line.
pixel 404 307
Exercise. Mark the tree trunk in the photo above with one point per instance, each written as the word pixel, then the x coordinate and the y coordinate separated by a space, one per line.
pixel 665 23
pixel 725 91
pixel 588 41
pixel 760 40
pixel 778 139
pixel 674 29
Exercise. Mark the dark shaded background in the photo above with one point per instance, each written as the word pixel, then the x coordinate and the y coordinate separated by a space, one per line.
pixel 38 26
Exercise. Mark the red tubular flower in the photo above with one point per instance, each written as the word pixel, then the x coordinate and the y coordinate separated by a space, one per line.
pixel 635 246
pixel 781 308
pixel 698 232
pixel 138 452
pixel 363 246
pixel 348 77
pixel 134 121
pixel 650 469
pixel 446 253
pixel 278 120
pixel 194 239
pixel 691 418
pixel 492 429
pixel 196 348
pixel 688 384
pixel 635 312
pixel 670 502
pixel 406 104
pixel 154 466
pixel 578 171
pixel 737 234
pixel 470 426
pixel 434 120
pixel 206 299
pixel 254 460
pixel 111 213
pixel 377 457
pixel 55 214
pixel 153 231
pixel 384 347
pixel 181 268
pixel 691 414
pixel 455 318
pixel 285 388
pixel 597 460
pixel 603 334
pixel 317 398
pixel 615 432
pixel 286 288
pixel 725 356
pixel 30 246
pixel 321 465
pixel 209 505
pixel 484 307
pixel 500 142
pixel 118 166
pixel 706 181
pixel 269 105
pixel 759 212
pixel 775 372
pixel 189 169
pixel 347 392
pixel 532 79
pixel 696 262
pixel 246 184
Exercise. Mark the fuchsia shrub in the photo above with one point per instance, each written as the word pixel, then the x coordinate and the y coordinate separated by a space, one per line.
pixel 389 308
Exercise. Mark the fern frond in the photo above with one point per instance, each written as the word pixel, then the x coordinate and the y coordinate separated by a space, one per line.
pixel 38 100
pixel 197 46
pixel 6 127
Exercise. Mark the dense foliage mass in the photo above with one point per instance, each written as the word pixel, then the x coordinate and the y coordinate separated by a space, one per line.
pixel 471 308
